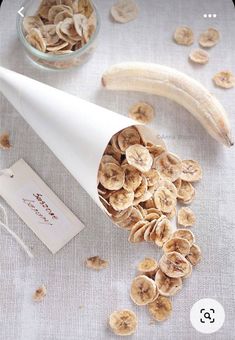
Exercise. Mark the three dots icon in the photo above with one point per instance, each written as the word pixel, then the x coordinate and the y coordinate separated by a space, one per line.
pixel 209 15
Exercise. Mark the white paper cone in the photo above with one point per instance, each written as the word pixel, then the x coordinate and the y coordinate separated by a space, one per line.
pixel 76 131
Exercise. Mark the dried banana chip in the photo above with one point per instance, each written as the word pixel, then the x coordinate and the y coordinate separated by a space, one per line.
pixel 128 137
pixel 39 294
pixel 111 176
pixel 36 40
pixel 137 232
pixel 61 16
pixel 142 188
pixel 164 200
pixel 177 183
pixel 224 79
pixel 191 171
pixel 114 143
pixel 168 185
pixel 194 256
pixel 149 229
pixel 123 322
pixel 133 178
pixel 141 210
pixel 121 199
pixel 80 24
pixel 134 217
pixel 142 112
pixel 155 150
pixel 148 266
pixel 169 166
pixel 149 204
pixel 108 159
pixel 186 234
pixel 120 216
pixel 50 35
pixel 186 217
pixel 5 141
pixel 113 152
pixel 199 56
pixel 171 214
pixel 95 262
pixel 152 177
pixel 143 290
pixel 66 2
pixel 153 216
pixel 145 197
pixel 85 7
pixel 174 264
pixel 167 286
pixel 209 38
pixel 32 22
pixel 184 36
pixel 180 245
pixel 138 236
pixel 189 272
pixel 67 27
pixel 124 11
pixel 186 192
pixel 161 308
pixel 54 10
pixel 139 157
pixel 162 232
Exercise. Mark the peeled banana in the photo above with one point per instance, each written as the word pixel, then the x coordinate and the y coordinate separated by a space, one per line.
pixel 168 82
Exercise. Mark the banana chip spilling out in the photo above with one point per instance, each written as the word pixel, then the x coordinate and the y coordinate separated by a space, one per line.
pixel 140 183
pixel 123 322
pixel 124 11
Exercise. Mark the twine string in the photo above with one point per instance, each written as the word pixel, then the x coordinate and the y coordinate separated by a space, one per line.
pixel 5 225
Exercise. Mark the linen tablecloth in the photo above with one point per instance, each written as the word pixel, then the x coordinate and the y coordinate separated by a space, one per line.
pixel 79 300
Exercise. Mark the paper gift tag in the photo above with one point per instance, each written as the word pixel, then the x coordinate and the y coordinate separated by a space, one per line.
pixel 36 204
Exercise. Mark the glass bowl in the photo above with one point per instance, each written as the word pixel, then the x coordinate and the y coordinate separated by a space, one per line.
pixel 55 61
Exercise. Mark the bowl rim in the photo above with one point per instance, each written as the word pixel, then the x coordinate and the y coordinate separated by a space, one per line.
pixel 54 57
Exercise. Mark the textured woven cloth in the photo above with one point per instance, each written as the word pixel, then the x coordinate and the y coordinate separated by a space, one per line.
pixel 79 300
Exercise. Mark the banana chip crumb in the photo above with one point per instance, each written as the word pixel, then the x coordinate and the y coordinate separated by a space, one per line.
pixel 142 112
pixel 5 141
pixel 96 263
pixel 39 294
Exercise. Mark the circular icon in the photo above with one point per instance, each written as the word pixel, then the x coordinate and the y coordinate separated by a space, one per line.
pixel 207 316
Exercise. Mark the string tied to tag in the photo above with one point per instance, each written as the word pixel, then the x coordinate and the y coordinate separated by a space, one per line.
pixel 4 224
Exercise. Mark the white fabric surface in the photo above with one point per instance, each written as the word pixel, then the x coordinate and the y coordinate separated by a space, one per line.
pixel 79 300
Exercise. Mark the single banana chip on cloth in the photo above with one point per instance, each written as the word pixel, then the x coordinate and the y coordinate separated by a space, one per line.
pixel 184 36
pixel 199 56
pixel 148 266
pixel 124 11
pixel 143 290
pixel 224 79
pixel 123 322
pixel 191 171
pixel 186 217
pixel 142 112
pixel 209 38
